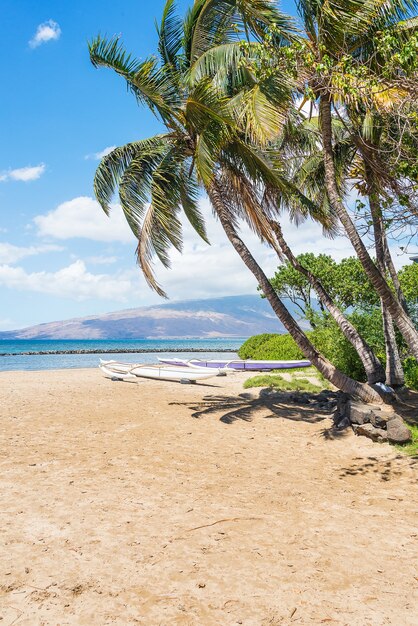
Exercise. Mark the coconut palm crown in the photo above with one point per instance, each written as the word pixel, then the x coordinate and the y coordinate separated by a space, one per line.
pixel 159 177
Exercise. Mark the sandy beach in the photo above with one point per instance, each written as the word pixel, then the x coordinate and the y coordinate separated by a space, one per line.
pixel 165 504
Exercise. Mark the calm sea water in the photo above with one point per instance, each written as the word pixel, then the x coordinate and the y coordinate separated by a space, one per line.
pixel 166 348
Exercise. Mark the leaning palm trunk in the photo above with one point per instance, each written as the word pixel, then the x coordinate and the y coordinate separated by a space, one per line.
pixel 331 373
pixel 393 273
pixel 389 300
pixel 394 371
pixel 373 368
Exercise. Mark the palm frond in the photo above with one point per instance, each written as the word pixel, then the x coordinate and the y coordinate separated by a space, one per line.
pixel 189 196
pixel 170 33
pixel 161 227
pixel 151 84
pixel 113 166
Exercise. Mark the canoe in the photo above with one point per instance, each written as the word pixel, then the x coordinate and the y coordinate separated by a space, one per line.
pixel 175 373
pixel 238 364
pixel 116 375
pixel 130 371
pixel 118 366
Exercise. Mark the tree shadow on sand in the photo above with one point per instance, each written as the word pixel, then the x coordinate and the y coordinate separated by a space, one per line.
pixel 295 406
pixel 407 406
pixel 387 469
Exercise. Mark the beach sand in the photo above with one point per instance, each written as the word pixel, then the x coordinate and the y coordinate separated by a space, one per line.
pixel 119 507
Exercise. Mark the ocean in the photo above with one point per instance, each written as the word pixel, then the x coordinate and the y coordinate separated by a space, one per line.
pixel 13 354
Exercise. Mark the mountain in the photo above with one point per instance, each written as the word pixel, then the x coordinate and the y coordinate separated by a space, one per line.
pixel 232 316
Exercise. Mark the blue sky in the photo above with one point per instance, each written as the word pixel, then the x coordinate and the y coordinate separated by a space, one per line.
pixel 60 257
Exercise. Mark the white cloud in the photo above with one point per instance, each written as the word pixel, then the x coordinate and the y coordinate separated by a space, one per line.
pixel 84 218
pixel 203 271
pixel 97 156
pixel 24 174
pixel 73 282
pixel 102 260
pixel 11 254
pixel 47 31
pixel 200 271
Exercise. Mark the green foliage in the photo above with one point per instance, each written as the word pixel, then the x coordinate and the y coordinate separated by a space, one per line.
pixel 289 283
pixel 346 283
pixel 408 277
pixel 411 448
pixel 410 366
pixel 268 346
pixel 352 287
pixel 328 339
pixel 278 382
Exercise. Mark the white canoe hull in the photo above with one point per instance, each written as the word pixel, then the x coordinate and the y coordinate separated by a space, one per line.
pixel 116 375
pixel 118 366
pixel 237 364
pixel 131 371
pixel 178 374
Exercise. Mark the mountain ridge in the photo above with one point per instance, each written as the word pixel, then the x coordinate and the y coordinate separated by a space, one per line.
pixel 228 316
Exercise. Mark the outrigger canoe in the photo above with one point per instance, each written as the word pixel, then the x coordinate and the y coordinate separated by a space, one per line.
pixel 237 364
pixel 130 371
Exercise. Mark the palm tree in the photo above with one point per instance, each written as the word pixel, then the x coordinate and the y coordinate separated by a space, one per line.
pixel 204 145
pixel 348 30
pixel 302 147
pixel 335 62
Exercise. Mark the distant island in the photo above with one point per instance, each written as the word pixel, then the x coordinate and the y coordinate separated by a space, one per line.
pixel 227 317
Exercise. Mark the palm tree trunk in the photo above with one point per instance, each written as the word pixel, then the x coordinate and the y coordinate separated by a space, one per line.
pixel 394 370
pixel 402 320
pixel 331 373
pixel 374 369
pixel 393 273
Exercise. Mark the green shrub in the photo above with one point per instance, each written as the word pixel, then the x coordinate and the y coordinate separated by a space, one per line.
pixel 330 341
pixel 327 339
pixel 411 448
pixel 410 366
pixel 268 346
pixel 278 382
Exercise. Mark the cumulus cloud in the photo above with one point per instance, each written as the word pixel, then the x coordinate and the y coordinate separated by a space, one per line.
pixel 97 156
pixel 47 31
pixel 201 271
pixel 11 254
pixel 24 174
pixel 83 217
pixel 102 260
pixel 73 281
pixel 206 271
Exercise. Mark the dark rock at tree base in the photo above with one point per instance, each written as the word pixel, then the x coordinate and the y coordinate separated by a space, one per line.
pixel 379 419
pixel 370 431
pixel 379 423
pixel 397 431
pixel 364 413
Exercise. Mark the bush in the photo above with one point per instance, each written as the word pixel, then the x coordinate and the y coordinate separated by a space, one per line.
pixel 327 339
pixel 330 341
pixel 410 366
pixel 278 382
pixel 268 346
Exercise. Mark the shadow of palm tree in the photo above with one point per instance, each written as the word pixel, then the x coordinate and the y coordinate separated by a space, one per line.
pixel 407 406
pixel 294 406
pixel 387 469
